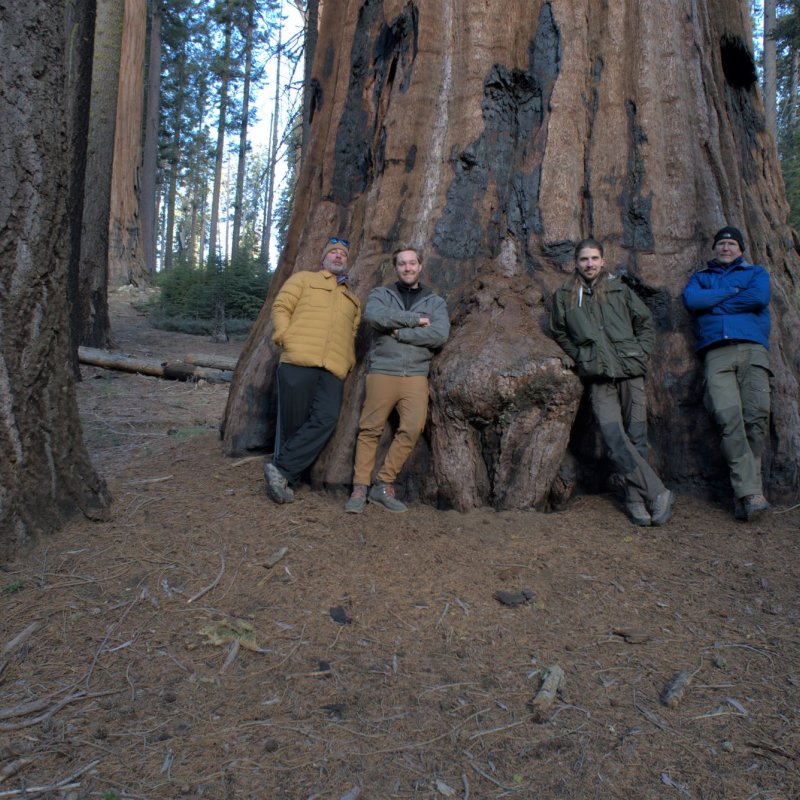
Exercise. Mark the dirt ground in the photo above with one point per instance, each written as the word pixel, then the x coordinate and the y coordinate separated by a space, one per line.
pixel 205 643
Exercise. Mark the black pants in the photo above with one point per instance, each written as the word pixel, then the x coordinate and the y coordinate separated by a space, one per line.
pixel 309 400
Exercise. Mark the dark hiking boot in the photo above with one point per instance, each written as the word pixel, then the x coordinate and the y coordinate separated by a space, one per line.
pixel 637 513
pixel 661 508
pixel 278 487
pixel 358 499
pixel 383 495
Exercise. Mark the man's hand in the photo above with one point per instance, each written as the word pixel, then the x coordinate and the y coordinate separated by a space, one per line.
pixel 424 322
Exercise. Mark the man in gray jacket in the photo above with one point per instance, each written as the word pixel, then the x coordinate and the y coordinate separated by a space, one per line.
pixel 409 322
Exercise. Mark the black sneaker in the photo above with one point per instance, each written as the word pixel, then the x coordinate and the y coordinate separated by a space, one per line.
pixel 278 487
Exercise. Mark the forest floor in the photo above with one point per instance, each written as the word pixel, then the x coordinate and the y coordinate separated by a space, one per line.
pixel 205 643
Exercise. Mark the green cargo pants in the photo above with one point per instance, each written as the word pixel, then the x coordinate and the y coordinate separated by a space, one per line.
pixel 621 412
pixel 737 397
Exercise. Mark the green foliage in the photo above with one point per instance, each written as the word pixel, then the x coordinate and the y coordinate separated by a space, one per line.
pixel 188 294
pixel 14 586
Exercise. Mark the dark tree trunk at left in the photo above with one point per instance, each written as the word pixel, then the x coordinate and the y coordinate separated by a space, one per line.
pixel 93 293
pixel 45 473
pixel 79 26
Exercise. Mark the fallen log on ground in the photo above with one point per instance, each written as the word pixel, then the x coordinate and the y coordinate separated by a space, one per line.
pixel 173 370
pixel 207 360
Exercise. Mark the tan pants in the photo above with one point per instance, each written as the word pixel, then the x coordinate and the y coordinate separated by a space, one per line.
pixel 409 395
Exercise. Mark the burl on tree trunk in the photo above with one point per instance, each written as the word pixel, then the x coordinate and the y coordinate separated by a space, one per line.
pixel 496 135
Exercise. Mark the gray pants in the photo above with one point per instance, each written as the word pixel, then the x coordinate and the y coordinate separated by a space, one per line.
pixel 737 396
pixel 621 412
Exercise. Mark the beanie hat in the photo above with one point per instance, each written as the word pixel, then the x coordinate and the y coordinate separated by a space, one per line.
pixel 730 233
pixel 336 244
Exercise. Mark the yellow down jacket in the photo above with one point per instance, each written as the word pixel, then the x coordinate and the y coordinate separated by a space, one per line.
pixel 315 322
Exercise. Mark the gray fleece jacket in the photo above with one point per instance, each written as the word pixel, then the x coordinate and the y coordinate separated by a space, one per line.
pixel 410 350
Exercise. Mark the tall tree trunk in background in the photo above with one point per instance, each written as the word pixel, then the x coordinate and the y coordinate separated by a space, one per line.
pixel 45 473
pixel 310 83
pixel 266 235
pixel 214 259
pixel 263 251
pixel 497 147
pixel 219 152
pixel 93 291
pixel 197 181
pixel 770 69
pixel 79 26
pixel 172 186
pixel 126 253
pixel 148 198
pixel 241 163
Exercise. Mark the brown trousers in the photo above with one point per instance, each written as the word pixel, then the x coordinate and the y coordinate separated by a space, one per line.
pixel 409 395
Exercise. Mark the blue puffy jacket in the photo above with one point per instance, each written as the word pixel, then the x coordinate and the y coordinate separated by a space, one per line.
pixel 729 303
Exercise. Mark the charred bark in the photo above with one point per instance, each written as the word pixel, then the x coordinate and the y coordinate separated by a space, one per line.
pixel 497 147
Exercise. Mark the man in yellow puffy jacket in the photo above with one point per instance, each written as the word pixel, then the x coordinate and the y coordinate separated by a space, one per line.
pixel 315 317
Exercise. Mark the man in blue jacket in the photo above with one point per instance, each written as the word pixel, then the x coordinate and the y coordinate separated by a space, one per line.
pixel 409 322
pixel 729 301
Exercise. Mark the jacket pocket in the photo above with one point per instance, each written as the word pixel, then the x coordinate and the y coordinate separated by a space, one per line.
pixel 319 296
pixel 633 359
pixel 588 364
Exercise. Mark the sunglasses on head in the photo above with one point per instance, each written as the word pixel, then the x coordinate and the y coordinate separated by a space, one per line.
pixel 334 240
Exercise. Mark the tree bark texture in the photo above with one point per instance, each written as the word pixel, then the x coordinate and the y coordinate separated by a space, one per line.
pixel 79 26
pixel 496 135
pixel 770 69
pixel 126 249
pixel 95 326
pixel 45 473
pixel 149 199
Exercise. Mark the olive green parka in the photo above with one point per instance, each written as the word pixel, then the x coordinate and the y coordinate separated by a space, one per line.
pixel 610 337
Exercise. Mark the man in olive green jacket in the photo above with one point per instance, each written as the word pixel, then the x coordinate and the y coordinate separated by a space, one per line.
pixel 608 332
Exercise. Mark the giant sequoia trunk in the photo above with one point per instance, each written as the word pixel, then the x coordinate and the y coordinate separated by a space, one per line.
pixel 44 470
pixel 497 135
